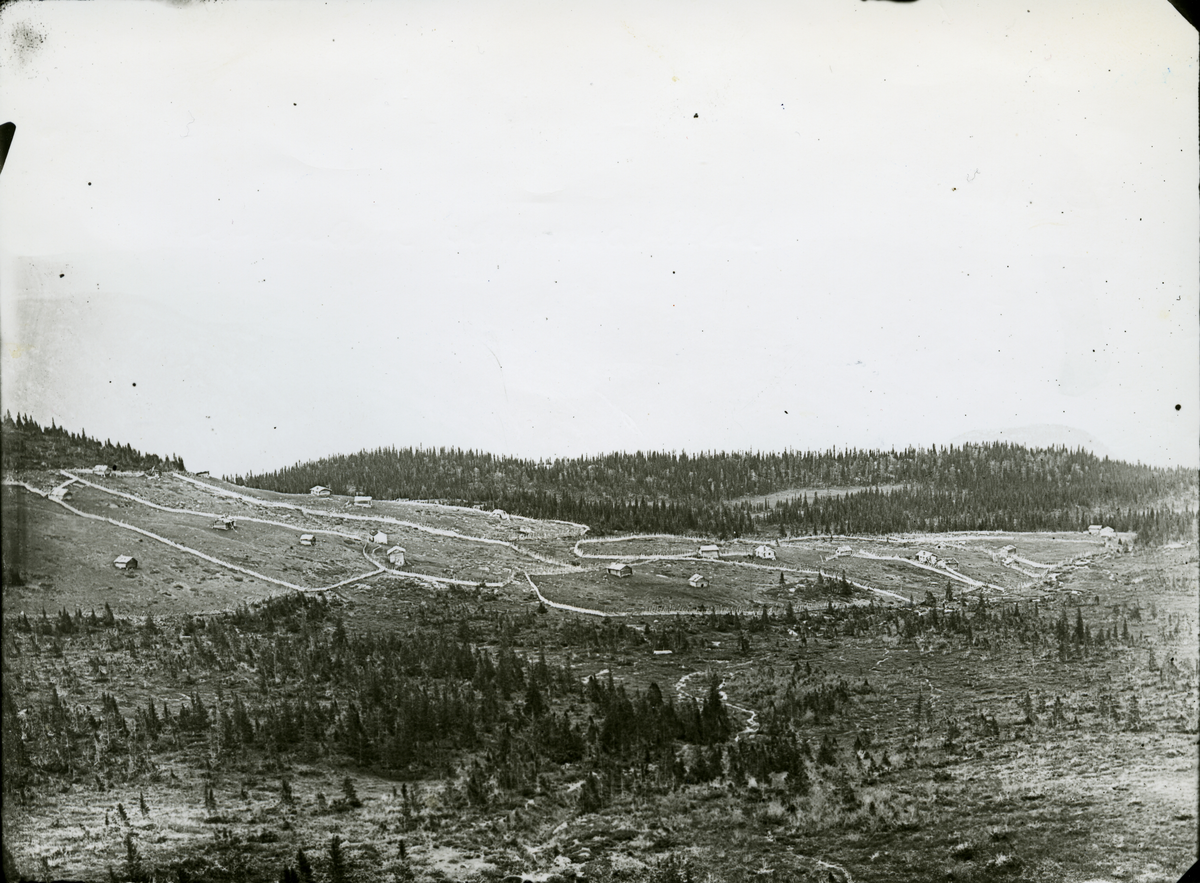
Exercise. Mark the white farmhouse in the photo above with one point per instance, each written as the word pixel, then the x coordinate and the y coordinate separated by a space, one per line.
pixel 764 552
pixel 710 551
pixel 364 502
pixel 619 569
pixel 395 556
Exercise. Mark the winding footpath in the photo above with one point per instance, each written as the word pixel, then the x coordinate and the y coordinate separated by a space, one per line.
pixel 751 728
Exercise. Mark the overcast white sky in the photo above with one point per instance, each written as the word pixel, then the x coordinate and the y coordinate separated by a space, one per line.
pixel 251 232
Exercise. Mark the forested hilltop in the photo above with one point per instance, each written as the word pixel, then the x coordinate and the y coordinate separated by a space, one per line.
pixel 996 486
pixel 26 445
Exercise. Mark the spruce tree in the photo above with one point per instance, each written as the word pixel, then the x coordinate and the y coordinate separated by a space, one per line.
pixel 337 860
pixel 303 867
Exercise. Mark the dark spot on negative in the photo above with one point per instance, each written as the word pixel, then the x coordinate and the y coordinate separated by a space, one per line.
pixel 60 275
pixel 1179 407
pixel 695 116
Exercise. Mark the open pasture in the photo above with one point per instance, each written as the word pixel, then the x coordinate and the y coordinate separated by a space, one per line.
pixel 68 562
pixel 1044 547
pixel 334 557
pixel 461 519
pixel 640 547
pixel 451 557
pixel 263 548
pixel 662 585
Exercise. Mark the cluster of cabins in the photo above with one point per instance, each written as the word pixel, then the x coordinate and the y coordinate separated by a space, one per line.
pixel 621 569
pixel 395 555
pixel 1005 555
pixel 360 500
pixel 1111 539
pixel 105 471
pixel 924 556
pixel 713 551
pixel 710 551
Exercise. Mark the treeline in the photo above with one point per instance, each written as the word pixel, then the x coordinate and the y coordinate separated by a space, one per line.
pixel 27 445
pixel 992 506
pixel 996 486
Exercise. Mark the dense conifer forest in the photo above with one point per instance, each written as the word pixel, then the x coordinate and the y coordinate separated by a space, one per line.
pixel 973 487
pixel 26 445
